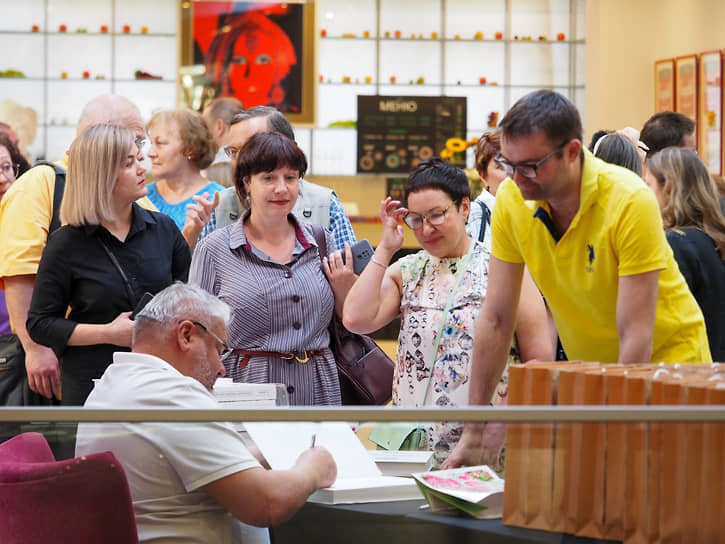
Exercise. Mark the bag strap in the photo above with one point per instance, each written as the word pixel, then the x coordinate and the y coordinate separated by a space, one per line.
pixel 485 219
pixel 114 260
pixel 57 193
pixel 319 233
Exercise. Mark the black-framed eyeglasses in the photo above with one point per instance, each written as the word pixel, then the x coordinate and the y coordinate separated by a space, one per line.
pixel 226 350
pixel 436 217
pixel 10 170
pixel 230 151
pixel 526 170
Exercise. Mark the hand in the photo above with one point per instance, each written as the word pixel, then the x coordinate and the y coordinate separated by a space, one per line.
pixel 468 451
pixel 198 214
pixel 318 462
pixel 43 371
pixel 341 275
pixel 390 216
pixel 120 330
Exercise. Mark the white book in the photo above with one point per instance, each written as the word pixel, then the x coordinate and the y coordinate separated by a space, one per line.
pixel 358 478
pixel 401 463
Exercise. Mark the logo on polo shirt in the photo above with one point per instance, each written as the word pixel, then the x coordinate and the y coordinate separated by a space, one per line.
pixel 590 249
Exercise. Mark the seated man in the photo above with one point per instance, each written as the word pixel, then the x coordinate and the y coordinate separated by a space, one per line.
pixel 186 478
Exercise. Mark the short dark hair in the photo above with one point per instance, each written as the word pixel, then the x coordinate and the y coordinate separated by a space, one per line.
pixel 598 135
pixel 276 121
pixel 666 129
pixel 544 110
pixel 619 150
pixel 265 152
pixel 435 173
pixel 15 155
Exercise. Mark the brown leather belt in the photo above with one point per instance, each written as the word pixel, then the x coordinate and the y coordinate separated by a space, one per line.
pixel 300 357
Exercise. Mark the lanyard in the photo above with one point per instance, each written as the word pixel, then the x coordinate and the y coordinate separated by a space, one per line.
pixel 463 266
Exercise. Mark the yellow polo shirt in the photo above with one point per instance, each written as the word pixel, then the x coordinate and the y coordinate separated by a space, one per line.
pixel 616 232
pixel 25 213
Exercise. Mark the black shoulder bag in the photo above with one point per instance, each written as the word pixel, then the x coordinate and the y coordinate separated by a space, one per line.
pixel 364 370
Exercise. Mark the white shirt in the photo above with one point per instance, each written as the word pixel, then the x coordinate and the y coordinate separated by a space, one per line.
pixel 473 225
pixel 166 464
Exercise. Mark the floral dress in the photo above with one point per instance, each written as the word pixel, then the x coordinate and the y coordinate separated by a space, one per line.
pixel 428 283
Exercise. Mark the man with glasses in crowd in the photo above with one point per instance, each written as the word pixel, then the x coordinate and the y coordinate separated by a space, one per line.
pixel 25 222
pixel 187 478
pixel 591 235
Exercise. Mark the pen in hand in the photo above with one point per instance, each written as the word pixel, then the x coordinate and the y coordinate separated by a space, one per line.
pixel 314 437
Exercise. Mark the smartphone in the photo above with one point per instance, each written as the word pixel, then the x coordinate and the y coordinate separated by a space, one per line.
pixel 145 299
pixel 362 252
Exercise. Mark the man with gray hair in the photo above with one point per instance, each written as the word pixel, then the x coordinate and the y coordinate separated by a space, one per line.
pixel 26 213
pixel 186 478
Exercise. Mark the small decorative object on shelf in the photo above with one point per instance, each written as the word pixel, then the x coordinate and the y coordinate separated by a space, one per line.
pixel 560 36
pixel 35 28
pixel 368 79
pixel 64 75
pixel 434 35
pixel 516 37
pixel 478 35
pixel 62 28
pixel 86 74
pixel 420 36
pixel 348 35
pixel 493 119
pixel 387 34
pixel 499 35
pixel 412 36
pixel 392 79
pixel 458 82
pixel 397 33
pixel 323 33
pixel 482 80
pixel 140 74
pixel 321 78
pixel 81 30
pixel 420 80
pixel 493 83
pixel 126 29
pixel 366 33
pixel 104 29
pixel 542 38
pixel 346 79
pixel 12 73
pixel 144 30
pixel 100 76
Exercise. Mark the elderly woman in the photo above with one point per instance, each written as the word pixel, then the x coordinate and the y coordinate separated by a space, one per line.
pixel 689 201
pixel 266 266
pixel 100 263
pixel 438 293
pixel 181 146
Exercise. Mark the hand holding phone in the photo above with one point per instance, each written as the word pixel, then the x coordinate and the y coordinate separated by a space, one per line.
pixel 362 252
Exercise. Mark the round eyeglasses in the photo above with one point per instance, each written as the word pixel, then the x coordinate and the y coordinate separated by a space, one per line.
pixel 436 217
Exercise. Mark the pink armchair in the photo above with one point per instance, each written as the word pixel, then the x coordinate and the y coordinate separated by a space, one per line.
pixel 85 499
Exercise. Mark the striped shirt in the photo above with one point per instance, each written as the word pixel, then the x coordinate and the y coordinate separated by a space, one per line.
pixel 283 308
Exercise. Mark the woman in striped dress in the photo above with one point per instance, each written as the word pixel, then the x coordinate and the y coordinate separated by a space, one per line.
pixel 266 266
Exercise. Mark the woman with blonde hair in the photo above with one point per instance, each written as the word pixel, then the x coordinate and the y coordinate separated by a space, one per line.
pixel 689 200
pixel 181 146
pixel 107 254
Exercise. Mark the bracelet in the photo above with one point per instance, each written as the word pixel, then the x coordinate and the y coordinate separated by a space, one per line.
pixel 374 260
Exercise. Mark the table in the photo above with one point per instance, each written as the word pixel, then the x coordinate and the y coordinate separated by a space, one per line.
pixel 403 522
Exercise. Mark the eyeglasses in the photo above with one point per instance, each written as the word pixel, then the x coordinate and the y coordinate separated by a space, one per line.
pixel 436 217
pixel 526 170
pixel 226 350
pixel 231 152
pixel 9 170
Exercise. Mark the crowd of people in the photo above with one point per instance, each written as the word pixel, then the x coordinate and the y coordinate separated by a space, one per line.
pixel 613 253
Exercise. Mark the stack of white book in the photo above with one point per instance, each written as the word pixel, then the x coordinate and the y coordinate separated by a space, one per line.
pixel 358 478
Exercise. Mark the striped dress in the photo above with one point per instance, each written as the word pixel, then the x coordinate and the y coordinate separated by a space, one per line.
pixel 276 307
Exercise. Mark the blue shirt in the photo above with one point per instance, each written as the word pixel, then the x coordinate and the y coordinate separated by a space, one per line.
pixel 340 226
pixel 177 211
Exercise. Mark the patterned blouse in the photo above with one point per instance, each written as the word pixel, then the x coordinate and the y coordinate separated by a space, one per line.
pixel 276 307
pixel 427 285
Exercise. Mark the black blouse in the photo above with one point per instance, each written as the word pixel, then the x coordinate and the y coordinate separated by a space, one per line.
pixel 76 272
pixel 704 271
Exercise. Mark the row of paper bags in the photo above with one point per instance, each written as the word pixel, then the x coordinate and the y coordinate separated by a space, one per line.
pixel 635 482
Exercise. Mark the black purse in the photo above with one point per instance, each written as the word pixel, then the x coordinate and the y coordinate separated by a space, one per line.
pixel 364 370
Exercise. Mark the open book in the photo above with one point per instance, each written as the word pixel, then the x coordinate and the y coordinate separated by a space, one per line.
pixel 477 491
pixel 358 479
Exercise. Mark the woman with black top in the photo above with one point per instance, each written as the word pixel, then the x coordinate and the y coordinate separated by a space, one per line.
pixel 101 262
pixel 695 226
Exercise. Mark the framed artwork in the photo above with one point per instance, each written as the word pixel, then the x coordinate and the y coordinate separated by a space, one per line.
pixel 711 107
pixel 686 86
pixel 664 85
pixel 262 53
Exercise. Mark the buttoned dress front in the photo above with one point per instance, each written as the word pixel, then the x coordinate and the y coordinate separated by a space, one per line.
pixel 283 308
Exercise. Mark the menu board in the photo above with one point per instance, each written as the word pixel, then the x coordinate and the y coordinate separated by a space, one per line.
pixel 394 133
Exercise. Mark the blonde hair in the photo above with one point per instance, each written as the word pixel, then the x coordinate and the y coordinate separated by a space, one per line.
pixel 198 143
pixel 94 160
pixel 693 199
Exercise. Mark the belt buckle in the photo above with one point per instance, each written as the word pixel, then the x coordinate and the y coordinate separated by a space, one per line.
pixel 301 360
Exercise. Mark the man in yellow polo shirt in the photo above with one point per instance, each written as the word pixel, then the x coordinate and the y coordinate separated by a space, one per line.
pixel 591 235
pixel 25 214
